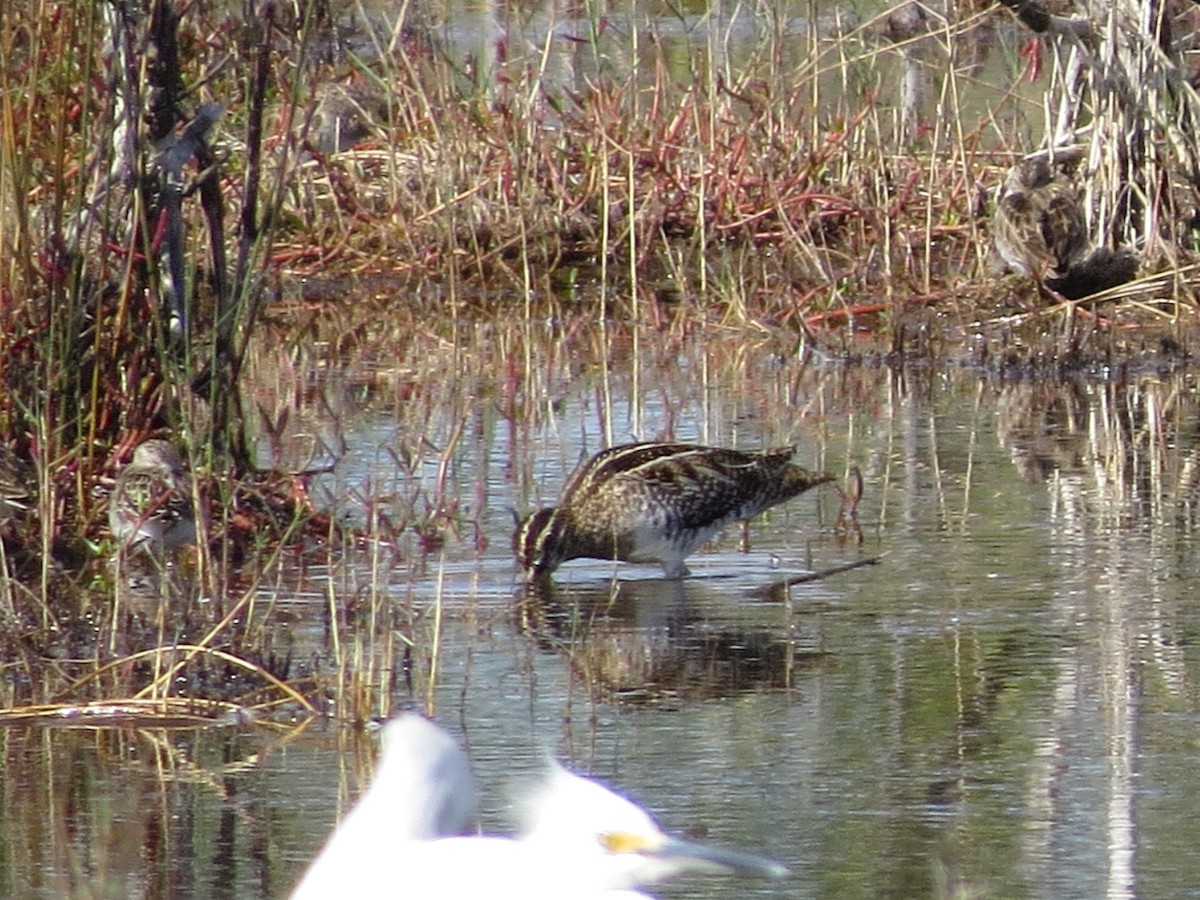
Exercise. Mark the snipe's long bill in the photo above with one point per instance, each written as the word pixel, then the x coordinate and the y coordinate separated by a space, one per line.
pixel 656 502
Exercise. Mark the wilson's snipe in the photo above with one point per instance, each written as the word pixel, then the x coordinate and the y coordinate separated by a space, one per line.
pixel 151 504
pixel 1039 231
pixel 656 503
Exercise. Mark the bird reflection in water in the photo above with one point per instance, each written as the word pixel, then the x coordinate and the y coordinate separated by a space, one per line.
pixel 657 641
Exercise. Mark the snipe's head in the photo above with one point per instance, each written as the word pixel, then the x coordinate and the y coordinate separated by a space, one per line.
pixel 158 455
pixel 1029 175
pixel 538 542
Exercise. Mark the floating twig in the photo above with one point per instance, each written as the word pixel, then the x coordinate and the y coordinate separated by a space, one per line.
pixel 776 590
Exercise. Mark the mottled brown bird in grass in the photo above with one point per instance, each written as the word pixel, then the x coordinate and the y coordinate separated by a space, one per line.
pixel 151 503
pixel 656 502
pixel 1039 230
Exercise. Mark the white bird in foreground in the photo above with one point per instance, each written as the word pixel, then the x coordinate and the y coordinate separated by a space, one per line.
pixel 422 790
pixel 581 840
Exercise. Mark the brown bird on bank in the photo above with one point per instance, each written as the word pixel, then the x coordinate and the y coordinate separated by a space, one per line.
pixel 1039 230
pixel 151 504
pixel 656 502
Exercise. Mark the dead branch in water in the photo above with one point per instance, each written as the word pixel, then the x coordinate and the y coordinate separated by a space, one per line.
pixel 776 591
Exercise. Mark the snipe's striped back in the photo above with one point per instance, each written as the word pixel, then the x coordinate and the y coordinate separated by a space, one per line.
pixel 655 502
pixel 1039 229
pixel 16 478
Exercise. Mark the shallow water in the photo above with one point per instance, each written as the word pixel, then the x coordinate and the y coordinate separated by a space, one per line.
pixel 1003 706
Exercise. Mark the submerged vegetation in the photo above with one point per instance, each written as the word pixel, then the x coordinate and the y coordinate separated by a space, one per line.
pixel 202 206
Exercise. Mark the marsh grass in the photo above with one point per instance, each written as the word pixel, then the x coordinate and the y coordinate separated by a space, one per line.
pixel 589 168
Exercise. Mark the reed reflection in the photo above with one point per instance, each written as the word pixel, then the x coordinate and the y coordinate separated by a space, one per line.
pixel 115 812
